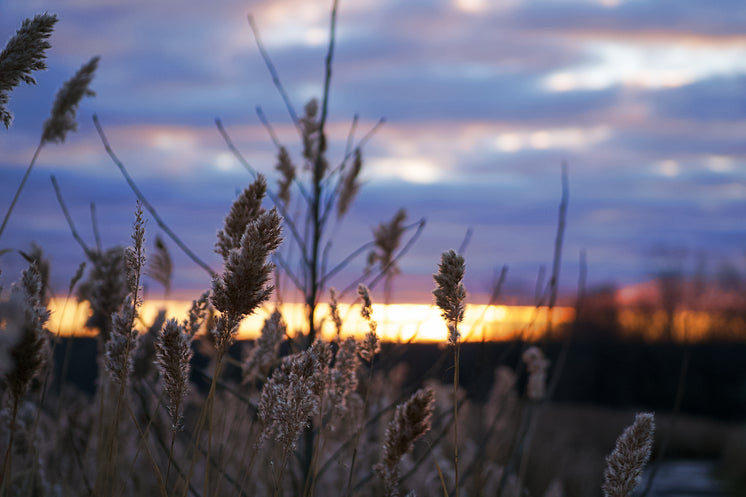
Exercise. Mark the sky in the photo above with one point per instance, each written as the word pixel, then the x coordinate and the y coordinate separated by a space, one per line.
pixel 645 101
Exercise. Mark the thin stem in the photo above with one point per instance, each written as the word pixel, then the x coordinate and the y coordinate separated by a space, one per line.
pixel 94 224
pixel 20 187
pixel 276 141
pixel 69 219
pixel 162 224
pixel 273 73
pixel 456 357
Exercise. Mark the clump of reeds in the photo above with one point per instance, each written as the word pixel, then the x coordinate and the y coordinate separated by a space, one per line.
pixel 24 53
pixel 626 462
pixel 411 421
pixel 23 317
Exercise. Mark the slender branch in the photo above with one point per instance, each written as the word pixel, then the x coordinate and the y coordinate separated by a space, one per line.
pixel 276 201
pixel 94 224
pixel 561 222
pixel 283 264
pixel 147 204
pixel 69 219
pixel 465 242
pixel 276 141
pixel 273 73
pixel 20 187
pixel 268 126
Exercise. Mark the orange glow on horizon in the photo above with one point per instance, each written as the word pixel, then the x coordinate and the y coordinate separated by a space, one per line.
pixel 396 322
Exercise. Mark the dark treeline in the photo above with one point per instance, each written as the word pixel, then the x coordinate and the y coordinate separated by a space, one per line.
pixel 612 373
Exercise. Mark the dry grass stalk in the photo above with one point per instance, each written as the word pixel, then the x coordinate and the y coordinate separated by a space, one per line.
pixel 411 421
pixel 24 53
pixel 66 103
pixel 624 465
pixel 449 296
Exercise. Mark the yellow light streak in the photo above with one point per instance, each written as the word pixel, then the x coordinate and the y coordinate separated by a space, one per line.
pixel 396 322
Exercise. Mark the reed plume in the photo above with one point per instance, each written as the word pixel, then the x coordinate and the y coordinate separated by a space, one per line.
pixel 449 296
pixel 287 174
pixel 334 311
pixel 370 346
pixel 122 342
pixel 293 395
pixel 350 184
pixel 411 421
pixel 66 103
pixel 173 354
pixel 25 52
pixel 632 451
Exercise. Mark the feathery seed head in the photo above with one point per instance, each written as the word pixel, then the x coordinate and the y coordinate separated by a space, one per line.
pixel 367 310
pixel 244 284
pixel 334 309
pixel 173 355
pixel 292 394
pixel 246 208
pixel 120 346
pixel 135 254
pixel 105 288
pixel 24 53
pixel 624 465
pixel 411 421
pixel 387 237
pixel 343 378
pixel 197 314
pixel 450 293
pixel 66 103
pixel 287 171
pixel 350 185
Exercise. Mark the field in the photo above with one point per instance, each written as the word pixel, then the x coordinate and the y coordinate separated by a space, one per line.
pixel 574 400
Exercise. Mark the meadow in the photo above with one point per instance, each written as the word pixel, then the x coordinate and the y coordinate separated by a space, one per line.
pixel 176 405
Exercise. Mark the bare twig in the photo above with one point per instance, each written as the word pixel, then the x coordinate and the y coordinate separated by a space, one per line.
pixel 147 204
pixel 273 73
pixel 69 219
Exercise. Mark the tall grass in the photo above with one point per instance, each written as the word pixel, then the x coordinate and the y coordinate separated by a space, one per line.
pixel 304 416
